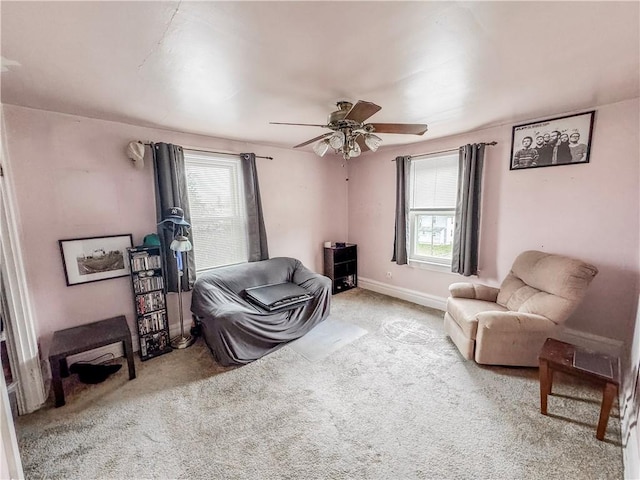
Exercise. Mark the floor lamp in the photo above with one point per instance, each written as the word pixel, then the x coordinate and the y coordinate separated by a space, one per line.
pixel 179 245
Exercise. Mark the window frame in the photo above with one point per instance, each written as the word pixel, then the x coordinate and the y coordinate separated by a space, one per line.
pixel 234 165
pixel 413 235
pixel 413 214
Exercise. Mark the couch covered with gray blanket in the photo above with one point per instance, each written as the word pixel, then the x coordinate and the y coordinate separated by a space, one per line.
pixel 239 332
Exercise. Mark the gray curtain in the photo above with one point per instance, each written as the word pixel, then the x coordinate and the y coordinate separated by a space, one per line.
pixel 402 207
pixel 171 191
pixel 467 226
pixel 258 249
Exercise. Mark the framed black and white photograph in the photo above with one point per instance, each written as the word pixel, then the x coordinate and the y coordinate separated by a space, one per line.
pixel 95 258
pixel 555 141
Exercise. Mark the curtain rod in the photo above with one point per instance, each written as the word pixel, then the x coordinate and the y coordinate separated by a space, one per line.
pixel 491 144
pixel 217 153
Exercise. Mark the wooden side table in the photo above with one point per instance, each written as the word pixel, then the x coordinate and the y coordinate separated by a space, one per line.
pixel 84 338
pixel 559 356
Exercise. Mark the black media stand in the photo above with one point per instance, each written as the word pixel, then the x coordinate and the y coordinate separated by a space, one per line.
pixel 341 266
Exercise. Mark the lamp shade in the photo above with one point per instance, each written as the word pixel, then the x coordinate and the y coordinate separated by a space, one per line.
pixel 372 141
pixel 321 147
pixel 336 140
pixel 354 150
pixel 181 244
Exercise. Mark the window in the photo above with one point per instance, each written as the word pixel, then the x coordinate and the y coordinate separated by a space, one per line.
pixel 218 213
pixel 433 187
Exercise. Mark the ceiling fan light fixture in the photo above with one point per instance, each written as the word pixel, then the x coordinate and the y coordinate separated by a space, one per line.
pixel 372 141
pixel 347 125
pixel 336 140
pixel 321 147
pixel 354 149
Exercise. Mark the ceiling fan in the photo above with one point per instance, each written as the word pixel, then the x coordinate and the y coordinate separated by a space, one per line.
pixel 350 136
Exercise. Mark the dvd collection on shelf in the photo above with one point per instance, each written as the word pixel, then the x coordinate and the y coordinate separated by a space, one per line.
pixel 147 284
pixel 143 261
pixel 154 345
pixel 149 302
pixel 152 322
pixel 147 281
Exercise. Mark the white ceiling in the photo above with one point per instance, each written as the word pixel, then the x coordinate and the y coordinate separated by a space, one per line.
pixel 226 69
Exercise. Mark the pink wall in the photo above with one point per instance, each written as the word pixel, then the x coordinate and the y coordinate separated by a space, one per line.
pixel 588 211
pixel 73 179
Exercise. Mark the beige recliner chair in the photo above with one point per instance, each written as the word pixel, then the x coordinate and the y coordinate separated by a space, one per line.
pixel 509 325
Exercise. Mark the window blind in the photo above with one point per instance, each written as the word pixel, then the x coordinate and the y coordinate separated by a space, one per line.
pixel 434 182
pixel 218 213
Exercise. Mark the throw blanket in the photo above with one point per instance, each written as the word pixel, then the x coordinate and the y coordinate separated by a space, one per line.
pixel 238 332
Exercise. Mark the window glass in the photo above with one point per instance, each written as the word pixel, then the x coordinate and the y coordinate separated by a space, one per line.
pixel 218 213
pixel 433 185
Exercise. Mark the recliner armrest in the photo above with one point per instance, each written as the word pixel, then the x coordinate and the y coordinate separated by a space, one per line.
pixel 511 338
pixel 474 291
pixel 514 322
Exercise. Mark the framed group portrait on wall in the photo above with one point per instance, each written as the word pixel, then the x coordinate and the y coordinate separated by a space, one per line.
pixel 552 142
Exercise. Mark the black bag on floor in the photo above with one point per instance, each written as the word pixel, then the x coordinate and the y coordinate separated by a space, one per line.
pixel 92 374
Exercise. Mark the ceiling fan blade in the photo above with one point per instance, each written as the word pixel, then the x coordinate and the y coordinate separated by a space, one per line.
pixel 320 137
pixel 301 124
pixel 363 146
pixel 361 111
pixel 408 128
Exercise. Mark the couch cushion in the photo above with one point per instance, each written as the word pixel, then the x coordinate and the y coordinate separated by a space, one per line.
pixel 464 312
pixel 465 344
pixel 514 292
pixel 556 309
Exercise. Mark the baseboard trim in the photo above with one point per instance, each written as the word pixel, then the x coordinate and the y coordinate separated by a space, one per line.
pixel 584 339
pixel 592 341
pixel 413 296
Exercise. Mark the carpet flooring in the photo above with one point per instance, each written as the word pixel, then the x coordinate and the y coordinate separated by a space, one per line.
pixel 325 338
pixel 397 403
